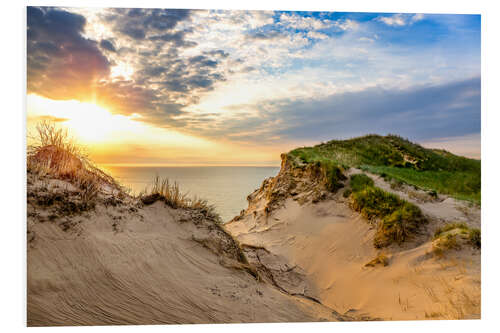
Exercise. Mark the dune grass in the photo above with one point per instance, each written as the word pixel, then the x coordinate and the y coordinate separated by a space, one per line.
pixel 333 174
pixel 170 193
pixel 463 185
pixel 398 219
pixel 54 153
pixel 398 158
pixel 380 259
pixel 360 181
pixel 447 234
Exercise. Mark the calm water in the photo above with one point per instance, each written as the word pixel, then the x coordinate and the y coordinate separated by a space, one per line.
pixel 225 187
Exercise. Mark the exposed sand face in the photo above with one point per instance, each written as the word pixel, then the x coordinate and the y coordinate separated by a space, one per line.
pixel 331 244
pixel 124 263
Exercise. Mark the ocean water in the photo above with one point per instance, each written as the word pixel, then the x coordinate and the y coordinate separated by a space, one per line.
pixel 226 187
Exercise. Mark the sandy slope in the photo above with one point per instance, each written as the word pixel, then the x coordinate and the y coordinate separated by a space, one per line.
pixel 124 263
pixel 331 244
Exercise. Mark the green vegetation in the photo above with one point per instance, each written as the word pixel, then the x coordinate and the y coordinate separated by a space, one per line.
pixel 333 174
pixel 463 185
pixel 360 181
pixel 446 236
pixel 399 159
pixel 347 192
pixel 399 219
pixel 373 202
pixel 475 237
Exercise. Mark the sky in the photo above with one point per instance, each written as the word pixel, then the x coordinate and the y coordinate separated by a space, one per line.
pixel 190 87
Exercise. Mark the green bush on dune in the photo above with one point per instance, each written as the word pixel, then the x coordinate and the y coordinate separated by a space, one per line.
pixel 398 219
pixel 333 175
pixel 360 181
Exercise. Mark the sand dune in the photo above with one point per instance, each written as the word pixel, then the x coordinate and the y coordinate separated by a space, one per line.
pixel 126 263
pixel 332 244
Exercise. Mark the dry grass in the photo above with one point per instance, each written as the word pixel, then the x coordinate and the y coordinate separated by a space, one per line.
pixel 53 153
pixel 453 236
pixel 170 193
pixel 380 259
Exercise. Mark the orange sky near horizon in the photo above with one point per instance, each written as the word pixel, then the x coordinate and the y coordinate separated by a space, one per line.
pixel 116 139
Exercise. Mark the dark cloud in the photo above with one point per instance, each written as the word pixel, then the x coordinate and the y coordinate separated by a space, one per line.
pixel 202 61
pixel 138 23
pixel 217 53
pixel 452 109
pixel 419 113
pixel 177 38
pixel 135 33
pixel 107 45
pixel 268 35
pixel 62 64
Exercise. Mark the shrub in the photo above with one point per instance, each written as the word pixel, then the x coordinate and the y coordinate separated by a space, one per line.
pixel 360 181
pixel 399 219
pixel 347 192
pixel 453 236
pixel 399 226
pixel 445 243
pixel 374 202
pixel 450 226
pixel 475 237
pixel 333 175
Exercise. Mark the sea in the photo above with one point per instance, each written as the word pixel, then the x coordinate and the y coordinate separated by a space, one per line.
pixel 226 187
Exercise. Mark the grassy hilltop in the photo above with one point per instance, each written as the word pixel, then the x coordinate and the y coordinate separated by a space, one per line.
pixel 401 160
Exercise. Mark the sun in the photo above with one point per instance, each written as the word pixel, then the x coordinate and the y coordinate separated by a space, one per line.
pixel 87 122
pixel 94 125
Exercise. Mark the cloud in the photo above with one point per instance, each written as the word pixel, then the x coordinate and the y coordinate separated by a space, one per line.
pixel 419 113
pixel 316 35
pixel 401 19
pixel 451 109
pixel 62 63
pixel 295 21
pixel 177 38
pixel 137 23
pixel 269 35
pixel 107 45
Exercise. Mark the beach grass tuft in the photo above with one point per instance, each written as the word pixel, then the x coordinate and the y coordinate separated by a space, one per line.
pixel 54 153
pixel 162 189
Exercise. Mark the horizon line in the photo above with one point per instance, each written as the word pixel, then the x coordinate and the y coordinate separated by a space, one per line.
pixel 135 165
